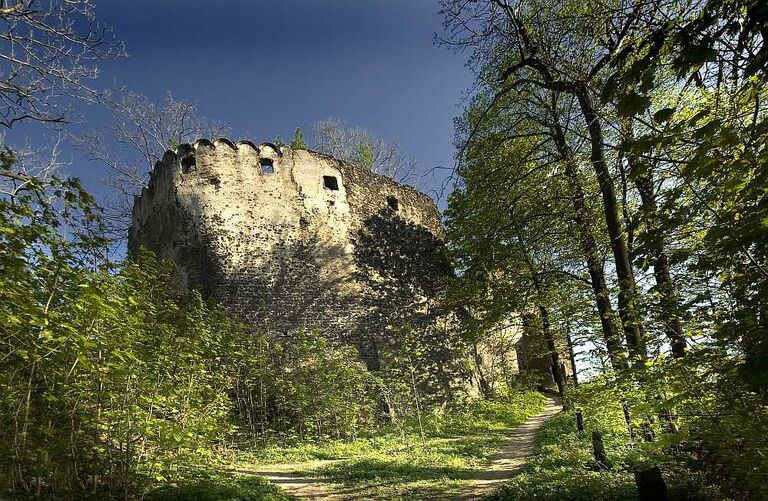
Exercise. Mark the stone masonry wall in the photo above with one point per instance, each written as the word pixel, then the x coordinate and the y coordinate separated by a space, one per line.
pixel 295 240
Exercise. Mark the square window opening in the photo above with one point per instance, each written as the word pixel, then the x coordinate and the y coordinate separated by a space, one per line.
pixel 330 183
pixel 393 203
pixel 267 166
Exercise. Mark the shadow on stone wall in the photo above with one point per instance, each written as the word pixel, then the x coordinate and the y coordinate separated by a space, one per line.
pixel 388 307
pixel 404 269
pixel 284 293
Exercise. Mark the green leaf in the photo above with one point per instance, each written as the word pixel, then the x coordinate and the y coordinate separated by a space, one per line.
pixel 663 115
pixel 633 104
pixel 707 129
pixel 699 55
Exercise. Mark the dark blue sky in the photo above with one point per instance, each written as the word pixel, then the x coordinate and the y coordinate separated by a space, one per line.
pixel 265 67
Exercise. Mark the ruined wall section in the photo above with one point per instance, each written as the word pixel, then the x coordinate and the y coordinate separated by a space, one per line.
pixel 295 239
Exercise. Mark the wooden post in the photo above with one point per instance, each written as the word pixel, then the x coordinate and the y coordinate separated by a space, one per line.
pixel 651 485
pixel 579 421
pixel 598 447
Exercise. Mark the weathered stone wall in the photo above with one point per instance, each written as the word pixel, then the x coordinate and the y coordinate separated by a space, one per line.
pixel 535 357
pixel 298 240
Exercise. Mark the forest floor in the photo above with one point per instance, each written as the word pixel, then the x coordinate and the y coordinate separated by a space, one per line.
pixel 463 467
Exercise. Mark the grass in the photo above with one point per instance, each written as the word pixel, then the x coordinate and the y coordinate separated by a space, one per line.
pixel 218 486
pixel 563 468
pixel 400 464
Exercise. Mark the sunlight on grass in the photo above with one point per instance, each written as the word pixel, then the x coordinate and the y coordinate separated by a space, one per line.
pixel 563 469
pixel 396 463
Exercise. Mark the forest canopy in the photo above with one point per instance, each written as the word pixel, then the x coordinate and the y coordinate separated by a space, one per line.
pixel 612 182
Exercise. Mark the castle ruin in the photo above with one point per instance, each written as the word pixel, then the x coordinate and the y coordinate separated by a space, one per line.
pixel 295 240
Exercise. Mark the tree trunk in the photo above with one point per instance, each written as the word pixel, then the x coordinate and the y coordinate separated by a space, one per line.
pixel 628 421
pixel 633 329
pixel 589 250
pixel 571 356
pixel 673 327
pixel 557 373
pixel 482 382
pixel 650 485
pixel 598 449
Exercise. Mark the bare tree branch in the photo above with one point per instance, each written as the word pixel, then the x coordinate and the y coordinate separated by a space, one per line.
pixel 47 54
pixel 360 146
pixel 140 132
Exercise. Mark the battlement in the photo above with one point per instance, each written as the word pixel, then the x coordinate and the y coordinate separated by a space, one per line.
pixel 266 166
pixel 275 173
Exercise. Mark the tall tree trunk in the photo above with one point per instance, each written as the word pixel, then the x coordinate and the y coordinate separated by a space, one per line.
pixel 631 321
pixel 644 182
pixel 482 382
pixel 633 328
pixel 557 372
pixel 588 246
pixel 571 356
pixel 546 329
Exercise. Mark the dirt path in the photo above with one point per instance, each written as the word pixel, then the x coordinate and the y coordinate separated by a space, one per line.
pixel 500 467
pixel 503 464
pixel 294 484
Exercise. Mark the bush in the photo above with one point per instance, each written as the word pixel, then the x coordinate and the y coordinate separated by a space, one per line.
pixel 305 388
pixel 211 486
pixel 120 379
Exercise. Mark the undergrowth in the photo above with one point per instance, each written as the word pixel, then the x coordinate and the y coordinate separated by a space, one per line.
pixel 218 486
pixel 563 468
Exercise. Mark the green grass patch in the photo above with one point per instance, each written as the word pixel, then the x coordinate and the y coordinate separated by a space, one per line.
pixel 400 463
pixel 217 486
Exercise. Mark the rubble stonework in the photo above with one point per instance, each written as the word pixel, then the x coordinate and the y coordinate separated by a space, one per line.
pixel 293 239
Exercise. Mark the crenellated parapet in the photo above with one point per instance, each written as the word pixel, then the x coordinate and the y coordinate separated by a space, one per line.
pixel 259 168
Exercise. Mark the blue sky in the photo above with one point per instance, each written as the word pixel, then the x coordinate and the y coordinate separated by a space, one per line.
pixel 265 67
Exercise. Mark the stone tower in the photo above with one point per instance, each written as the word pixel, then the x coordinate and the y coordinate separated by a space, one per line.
pixel 293 239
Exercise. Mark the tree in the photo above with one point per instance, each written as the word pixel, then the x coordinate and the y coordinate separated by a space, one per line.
pixel 297 143
pixel 509 234
pixel 537 120
pixel 546 46
pixel 48 55
pixel 709 135
pixel 665 103
pixel 140 132
pixel 360 146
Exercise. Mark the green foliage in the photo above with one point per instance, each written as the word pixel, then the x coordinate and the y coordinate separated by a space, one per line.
pixel 364 155
pixel 713 455
pixel 673 101
pixel 505 411
pixel 564 468
pixel 108 380
pixel 297 143
pixel 217 486
pixel 299 389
